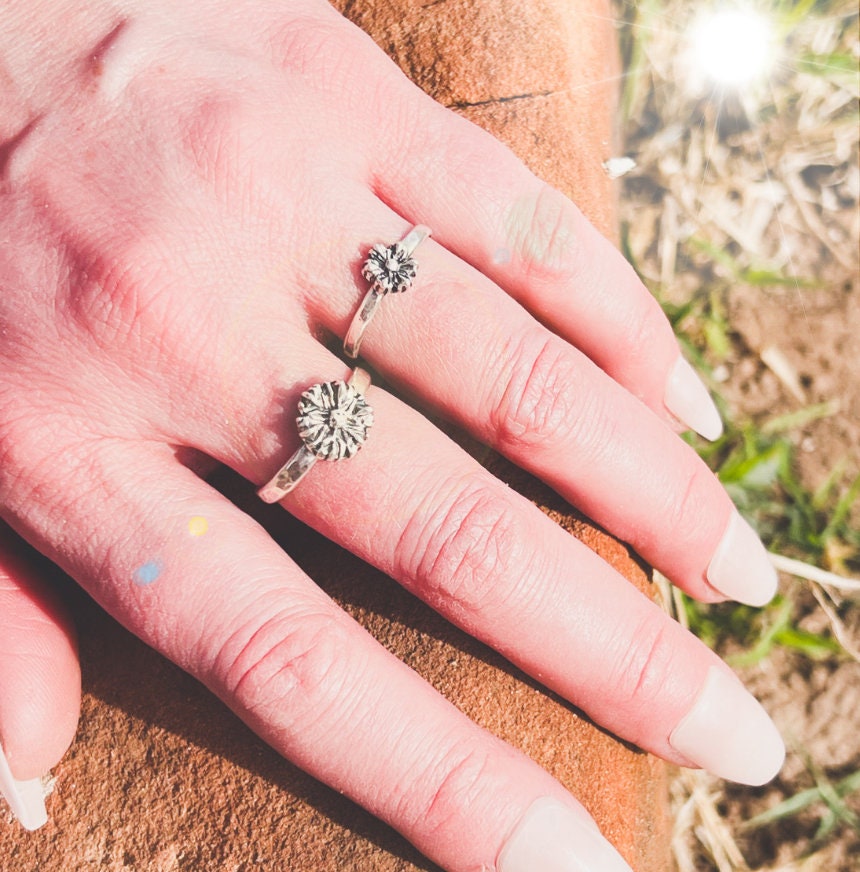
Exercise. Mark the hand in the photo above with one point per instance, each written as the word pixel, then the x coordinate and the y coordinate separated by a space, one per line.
pixel 187 202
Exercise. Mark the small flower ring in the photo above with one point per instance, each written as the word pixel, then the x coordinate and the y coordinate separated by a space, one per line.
pixel 390 269
pixel 333 419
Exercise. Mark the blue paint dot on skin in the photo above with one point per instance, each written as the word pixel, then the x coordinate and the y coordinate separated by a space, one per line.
pixel 147 573
pixel 502 255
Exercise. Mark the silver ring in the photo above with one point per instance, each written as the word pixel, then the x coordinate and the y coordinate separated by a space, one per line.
pixel 390 269
pixel 333 419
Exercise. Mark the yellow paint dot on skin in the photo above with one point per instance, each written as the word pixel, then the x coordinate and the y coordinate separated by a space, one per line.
pixel 198 525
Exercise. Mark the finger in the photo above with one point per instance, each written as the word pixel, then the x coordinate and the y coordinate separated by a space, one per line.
pixel 488 208
pixel 40 682
pixel 417 506
pixel 197 579
pixel 462 346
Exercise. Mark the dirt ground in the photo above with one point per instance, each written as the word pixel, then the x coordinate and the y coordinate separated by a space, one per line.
pixel 816 704
pixel 817 332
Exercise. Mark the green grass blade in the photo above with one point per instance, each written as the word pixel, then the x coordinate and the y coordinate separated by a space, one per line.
pixel 801 801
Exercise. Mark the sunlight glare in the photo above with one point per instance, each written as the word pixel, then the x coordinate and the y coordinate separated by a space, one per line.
pixel 732 47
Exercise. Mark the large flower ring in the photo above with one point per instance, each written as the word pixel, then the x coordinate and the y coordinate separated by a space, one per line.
pixel 390 269
pixel 333 419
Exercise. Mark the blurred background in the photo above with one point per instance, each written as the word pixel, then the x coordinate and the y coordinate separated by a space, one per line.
pixel 740 187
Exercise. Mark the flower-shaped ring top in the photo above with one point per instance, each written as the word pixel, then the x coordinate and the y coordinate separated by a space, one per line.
pixel 333 419
pixel 390 269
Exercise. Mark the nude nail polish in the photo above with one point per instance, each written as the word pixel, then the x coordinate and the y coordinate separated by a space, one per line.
pixel 728 733
pixel 553 837
pixel 26 799
pixel 741 568
pixel 687 398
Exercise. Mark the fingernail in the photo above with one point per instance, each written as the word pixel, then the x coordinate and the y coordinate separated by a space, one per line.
pixel 688 400
pixel 552 837
pixel 728 733
pixel 26 798
pixel 741 567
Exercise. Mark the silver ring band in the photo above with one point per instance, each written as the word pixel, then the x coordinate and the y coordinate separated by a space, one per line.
pixel 389 269
pixel 333 419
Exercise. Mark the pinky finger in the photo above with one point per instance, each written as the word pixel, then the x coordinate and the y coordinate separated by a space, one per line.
pixel 40 682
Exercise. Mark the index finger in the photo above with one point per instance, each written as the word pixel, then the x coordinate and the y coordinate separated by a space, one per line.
pixel 488 208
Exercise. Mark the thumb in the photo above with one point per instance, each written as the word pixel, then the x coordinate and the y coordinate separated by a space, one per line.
pixel 40 681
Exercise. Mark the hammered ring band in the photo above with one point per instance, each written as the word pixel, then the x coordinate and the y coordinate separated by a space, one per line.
pixel 333 419
pixel 390 269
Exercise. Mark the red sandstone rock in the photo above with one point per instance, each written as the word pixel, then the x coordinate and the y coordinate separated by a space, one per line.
pixel 162 777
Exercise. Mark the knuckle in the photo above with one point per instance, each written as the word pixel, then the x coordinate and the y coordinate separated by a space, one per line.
pixel 446 791
pixel 689 513
pixel 117 298
pixel 312 47
pixel 285 663
pixel 641 673
pixel 324 52
pixel 542 227
pixel 643 332
pixel 534 400
pixel 461 551
pixel 224 135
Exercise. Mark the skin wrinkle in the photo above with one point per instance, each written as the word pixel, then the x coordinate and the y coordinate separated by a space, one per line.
pixel 15 114
pixel 306 677
pixel 462 576
pixel 17 149
pixel 438 543
pixel 537 400
pixel 459 781
pixel 254 598
pixel 468 553
pixel 539 230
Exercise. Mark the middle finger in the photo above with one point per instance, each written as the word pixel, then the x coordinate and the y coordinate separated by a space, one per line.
pixel 465 348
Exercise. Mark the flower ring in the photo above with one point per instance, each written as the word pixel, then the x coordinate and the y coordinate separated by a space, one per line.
pixel 390 269
pixel 333 420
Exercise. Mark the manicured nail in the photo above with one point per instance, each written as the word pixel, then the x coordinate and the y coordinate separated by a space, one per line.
pixel 728 733
pixel 552 837
pixel 26 798
pixel 688 400
pixel 741 568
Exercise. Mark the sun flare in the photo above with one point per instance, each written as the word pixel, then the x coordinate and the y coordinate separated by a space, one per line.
pixel 732 47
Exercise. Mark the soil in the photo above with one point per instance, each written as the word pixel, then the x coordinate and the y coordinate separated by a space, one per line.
pixel 816 704
pixel 816 331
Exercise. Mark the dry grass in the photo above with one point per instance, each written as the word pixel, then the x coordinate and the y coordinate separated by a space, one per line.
pixel 741 197
pixel 759 183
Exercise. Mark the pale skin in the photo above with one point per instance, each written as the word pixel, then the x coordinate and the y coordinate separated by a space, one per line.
pixel 186 199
